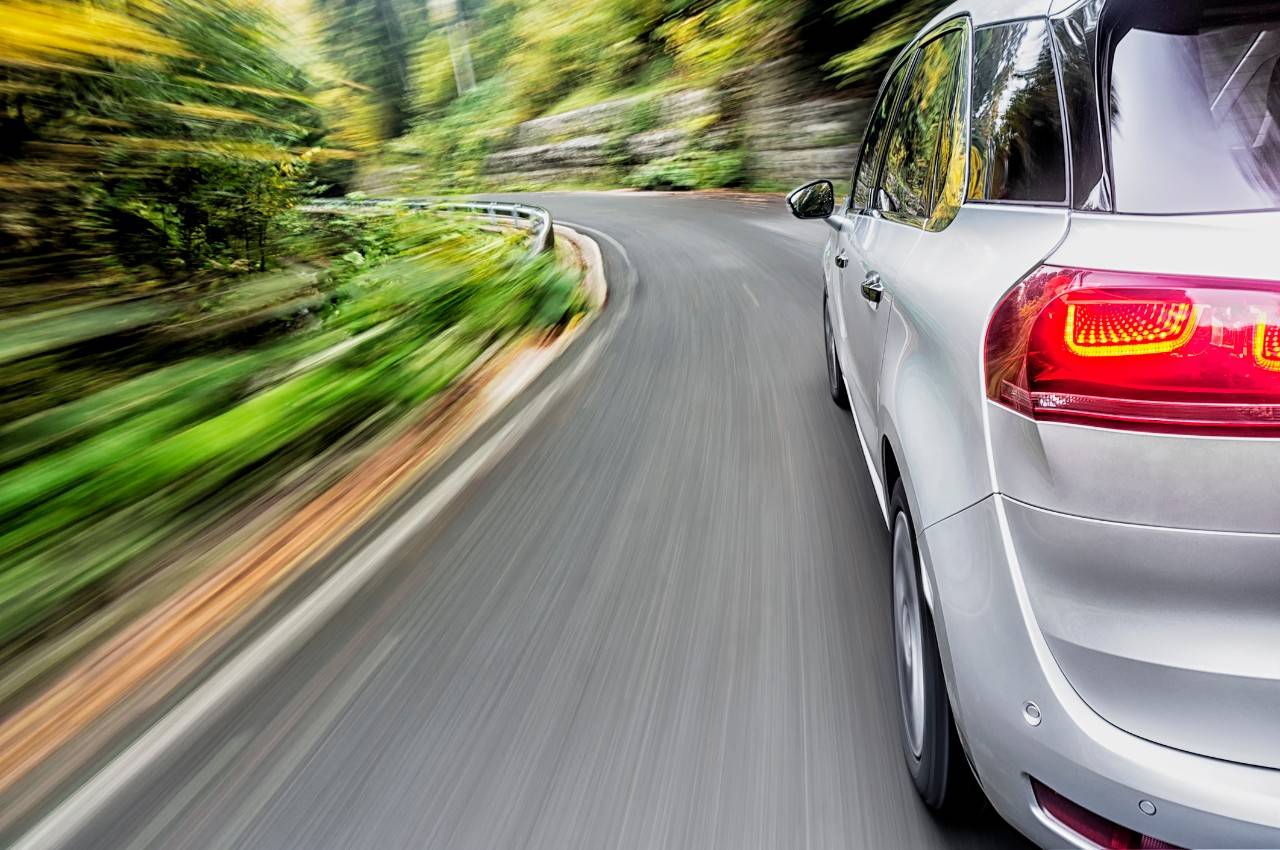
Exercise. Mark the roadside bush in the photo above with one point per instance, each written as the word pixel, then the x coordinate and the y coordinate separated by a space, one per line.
pixel 129 426
pixel 692 169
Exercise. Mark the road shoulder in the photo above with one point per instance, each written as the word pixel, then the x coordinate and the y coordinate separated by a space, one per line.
pixel 173 671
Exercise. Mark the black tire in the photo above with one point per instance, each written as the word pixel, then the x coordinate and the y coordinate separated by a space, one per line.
pixel 835 376
pixel 934 755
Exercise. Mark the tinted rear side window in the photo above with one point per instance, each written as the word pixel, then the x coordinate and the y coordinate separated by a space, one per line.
pixel 873 139
pixel 1016 148
pixel 1193 106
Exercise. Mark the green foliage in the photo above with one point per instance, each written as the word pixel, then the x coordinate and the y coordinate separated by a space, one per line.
pixel 433 82
pixel 544 57
pixel 692 169
pixel 372 42
pixel 644 115
pixel 145 143
pixel 710 39
pixel 568 44
pixel 454 144
pixel 886 26
pixel 208 400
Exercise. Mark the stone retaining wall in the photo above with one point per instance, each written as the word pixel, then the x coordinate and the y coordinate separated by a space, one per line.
pixel 790 124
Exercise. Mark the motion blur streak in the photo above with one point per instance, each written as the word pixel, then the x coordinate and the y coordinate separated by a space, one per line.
pixel 642 630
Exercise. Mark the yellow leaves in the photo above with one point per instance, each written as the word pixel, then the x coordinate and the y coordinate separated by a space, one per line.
pixel 271 93
pixel 889 25
pixel 70 36
pixel 20 87
pixel 355 118
pixel 254 151
pixel 728 34
pixel 248 151
pixel 19 180
pixel 433 84
pixel 91 153
pixel 328 155
pixel 207 112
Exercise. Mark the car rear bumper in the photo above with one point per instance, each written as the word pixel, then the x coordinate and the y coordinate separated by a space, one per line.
pixel 997 660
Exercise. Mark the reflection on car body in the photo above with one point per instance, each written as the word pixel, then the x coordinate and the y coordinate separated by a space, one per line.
pixel 1053 308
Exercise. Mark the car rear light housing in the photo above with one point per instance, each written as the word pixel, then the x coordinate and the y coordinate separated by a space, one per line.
pixel 1093 827
pixel 1145 352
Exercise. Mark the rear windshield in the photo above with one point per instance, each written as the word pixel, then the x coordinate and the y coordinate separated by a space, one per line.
pixel 1194 106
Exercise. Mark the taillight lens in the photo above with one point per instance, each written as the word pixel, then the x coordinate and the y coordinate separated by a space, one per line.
pixel 1139 351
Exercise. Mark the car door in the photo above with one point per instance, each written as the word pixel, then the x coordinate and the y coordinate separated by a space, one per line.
pixel 875 249
pixel 854 321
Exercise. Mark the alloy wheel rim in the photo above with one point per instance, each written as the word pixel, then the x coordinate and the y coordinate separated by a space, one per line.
pixel 908 631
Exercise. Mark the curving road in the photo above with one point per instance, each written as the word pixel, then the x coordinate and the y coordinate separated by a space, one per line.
pixel 660 621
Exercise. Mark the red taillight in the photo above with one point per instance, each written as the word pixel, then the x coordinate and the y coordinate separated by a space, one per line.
pixel 1139 351
pixel 1094 827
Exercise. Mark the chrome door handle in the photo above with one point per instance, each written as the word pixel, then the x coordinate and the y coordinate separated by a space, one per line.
pixel 842 260
pixel 872 288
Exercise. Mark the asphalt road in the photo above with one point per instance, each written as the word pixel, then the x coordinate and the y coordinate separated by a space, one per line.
pixel 661 621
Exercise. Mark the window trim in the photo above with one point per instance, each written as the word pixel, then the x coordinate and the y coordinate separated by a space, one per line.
pixel 1066 139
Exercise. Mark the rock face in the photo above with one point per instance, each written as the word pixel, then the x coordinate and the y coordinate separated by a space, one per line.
pixel 589 120
pixel 579 152
pixel 795 131
pixel 790 126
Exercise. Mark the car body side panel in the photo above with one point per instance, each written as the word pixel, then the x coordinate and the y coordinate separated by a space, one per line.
pixel 1209 483
pixel 1170 634
pixel 931 404
pixel 1152 557
pixel 831 280
pixel 880 247
pixel 1203 483
pixel 997 658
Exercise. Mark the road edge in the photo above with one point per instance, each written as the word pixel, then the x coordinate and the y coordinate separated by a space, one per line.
pixel 257 655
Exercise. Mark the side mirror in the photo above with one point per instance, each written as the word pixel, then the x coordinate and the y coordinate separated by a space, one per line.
pixel 813 200
pixel 885 201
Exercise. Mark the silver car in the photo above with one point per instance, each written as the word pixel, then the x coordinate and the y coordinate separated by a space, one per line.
pixel 1053 306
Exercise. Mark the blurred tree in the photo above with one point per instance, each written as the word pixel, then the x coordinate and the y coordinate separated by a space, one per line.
pixel 372 42
pixel 151 136
pixel 710 38
pixel 882 27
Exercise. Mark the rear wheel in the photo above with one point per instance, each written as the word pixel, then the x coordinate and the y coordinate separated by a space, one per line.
pixel 930 743
pixel 835 377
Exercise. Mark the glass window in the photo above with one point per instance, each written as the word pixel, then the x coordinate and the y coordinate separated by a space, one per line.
pixel 1193 107
pixel 912 151
pixel 872 140
pixel 1016 147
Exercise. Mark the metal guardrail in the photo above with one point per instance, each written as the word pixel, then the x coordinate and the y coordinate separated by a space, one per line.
pixel 537 220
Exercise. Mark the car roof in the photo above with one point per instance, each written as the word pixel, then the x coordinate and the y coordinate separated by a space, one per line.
pixel 983 12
